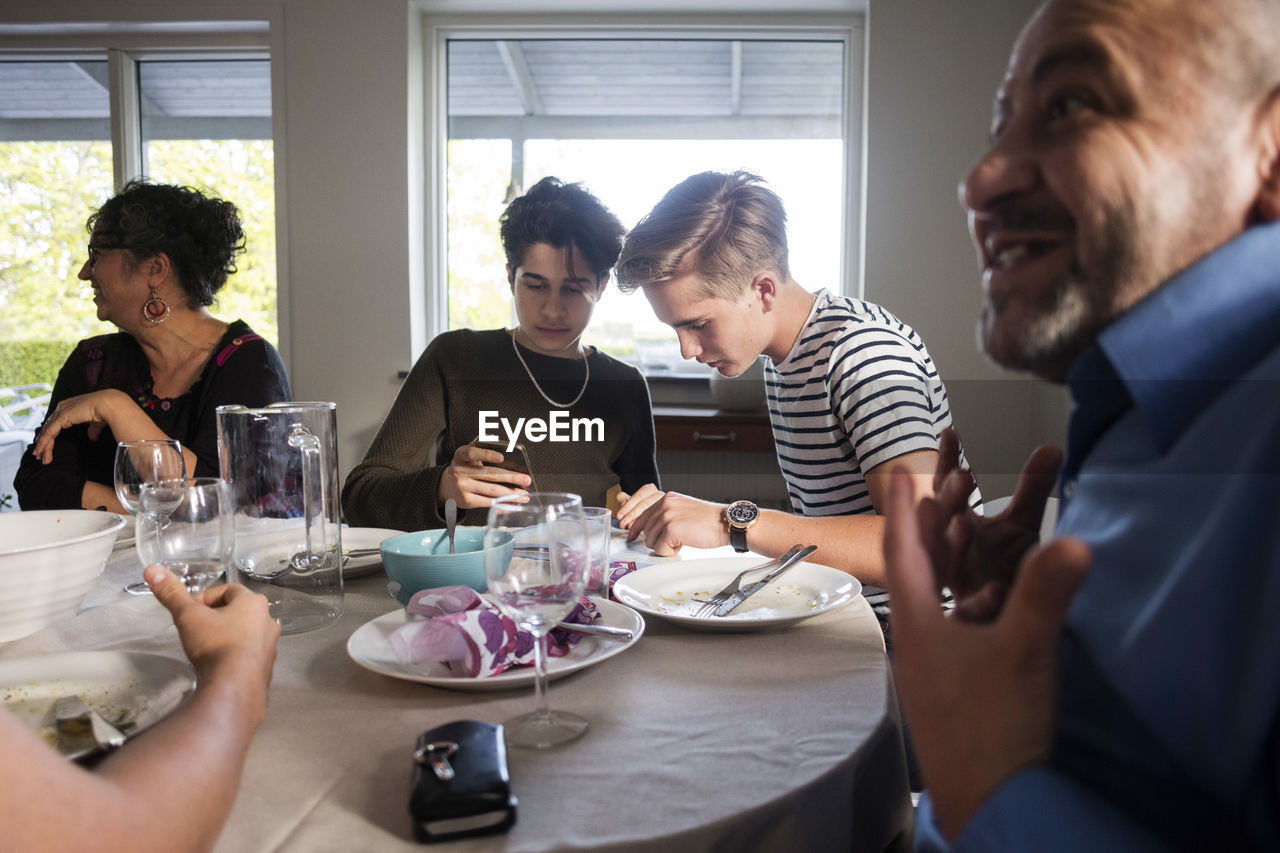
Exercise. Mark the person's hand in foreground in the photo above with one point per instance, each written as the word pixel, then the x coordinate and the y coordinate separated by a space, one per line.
pixel 225 630
pixel 979 698
pixel 172 787
pixel 472 483
pixel 669 520
pixel 976 556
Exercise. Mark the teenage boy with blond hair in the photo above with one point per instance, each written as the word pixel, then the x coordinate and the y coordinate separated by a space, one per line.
pixel 851 388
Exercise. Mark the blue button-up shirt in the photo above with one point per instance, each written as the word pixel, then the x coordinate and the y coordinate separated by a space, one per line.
pixel 1168 729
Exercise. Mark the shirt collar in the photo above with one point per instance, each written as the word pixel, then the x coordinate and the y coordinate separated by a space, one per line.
pixel 1100 397
pixel 1178 347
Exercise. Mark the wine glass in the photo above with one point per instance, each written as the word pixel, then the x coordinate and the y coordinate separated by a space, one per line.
pixel 187 525
pixel 146 460
pixel 536 564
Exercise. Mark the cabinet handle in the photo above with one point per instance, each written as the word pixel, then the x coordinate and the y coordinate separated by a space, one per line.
pixel 715 436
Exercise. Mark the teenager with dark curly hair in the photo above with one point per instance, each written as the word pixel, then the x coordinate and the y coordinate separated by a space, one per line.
pixel 560 244
pixel 158 254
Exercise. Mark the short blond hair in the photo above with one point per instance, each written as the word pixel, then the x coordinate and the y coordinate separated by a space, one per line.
pixel 724 227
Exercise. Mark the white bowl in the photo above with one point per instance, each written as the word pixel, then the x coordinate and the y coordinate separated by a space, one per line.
pixel 48 561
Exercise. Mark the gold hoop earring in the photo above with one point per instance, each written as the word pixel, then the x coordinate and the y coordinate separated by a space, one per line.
pixel 155 310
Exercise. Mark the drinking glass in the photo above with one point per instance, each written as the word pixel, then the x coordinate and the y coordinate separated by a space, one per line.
pixel 187 525
pixel 536 562
pixel 599 521
pixel 141 461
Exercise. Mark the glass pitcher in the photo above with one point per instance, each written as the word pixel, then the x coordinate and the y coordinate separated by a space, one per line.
pixel 281 463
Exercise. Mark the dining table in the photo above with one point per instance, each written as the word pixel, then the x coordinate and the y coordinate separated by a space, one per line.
pixel 786 739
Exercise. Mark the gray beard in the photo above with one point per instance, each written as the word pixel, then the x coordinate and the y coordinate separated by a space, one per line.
pixel 1078 309
pixel 1055 336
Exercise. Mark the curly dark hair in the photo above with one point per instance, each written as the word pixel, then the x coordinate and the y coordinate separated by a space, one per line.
pixel 562 215
pixel 201 235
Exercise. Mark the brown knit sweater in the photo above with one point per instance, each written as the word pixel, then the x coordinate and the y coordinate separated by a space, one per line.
pixel 464 372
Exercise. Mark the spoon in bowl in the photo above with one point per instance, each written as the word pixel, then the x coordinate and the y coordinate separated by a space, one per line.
pixel 450 519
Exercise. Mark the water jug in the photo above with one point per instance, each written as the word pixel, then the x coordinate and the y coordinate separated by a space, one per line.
pixel 281 462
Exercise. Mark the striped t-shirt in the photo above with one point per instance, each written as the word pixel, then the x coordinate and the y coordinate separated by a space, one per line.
pixel 857 390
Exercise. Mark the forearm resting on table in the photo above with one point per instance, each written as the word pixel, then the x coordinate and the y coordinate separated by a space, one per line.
pixel 170 789
pixel 850 543
pixel 97 495
pixel 382 495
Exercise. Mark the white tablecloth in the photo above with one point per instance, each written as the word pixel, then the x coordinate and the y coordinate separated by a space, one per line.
pixel 785 740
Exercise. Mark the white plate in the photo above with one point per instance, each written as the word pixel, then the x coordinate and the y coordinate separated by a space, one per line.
pixel 133 690
pixel 370 647
pixel 668 590
pixel 356 538
pixel 125 536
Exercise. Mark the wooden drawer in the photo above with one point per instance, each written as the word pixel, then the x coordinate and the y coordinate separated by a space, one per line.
pixel 711 430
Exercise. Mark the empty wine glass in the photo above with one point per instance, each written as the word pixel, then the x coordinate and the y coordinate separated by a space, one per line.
pixel 187 525
pixel 536 564
pixel 147 460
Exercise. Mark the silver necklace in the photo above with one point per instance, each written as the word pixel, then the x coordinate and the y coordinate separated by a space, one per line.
pixel 585 361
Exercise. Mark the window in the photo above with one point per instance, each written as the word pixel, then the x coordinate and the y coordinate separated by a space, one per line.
pixel 76 123
pixel 55 168
pixel 629 118
pixel 207 124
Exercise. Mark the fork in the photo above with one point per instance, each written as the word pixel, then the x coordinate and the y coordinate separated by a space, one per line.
pixel 710 604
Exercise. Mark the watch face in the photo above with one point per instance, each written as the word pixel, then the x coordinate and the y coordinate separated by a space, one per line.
pixel 741 512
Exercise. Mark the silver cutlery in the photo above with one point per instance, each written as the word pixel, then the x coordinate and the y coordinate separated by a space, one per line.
pixel 82 731
pixel 450 519
pixel 710 604
pixel 751 589
pixel 359 553
pixel 597 630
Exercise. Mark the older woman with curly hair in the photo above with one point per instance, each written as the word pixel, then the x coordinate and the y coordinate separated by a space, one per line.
pixel 157 256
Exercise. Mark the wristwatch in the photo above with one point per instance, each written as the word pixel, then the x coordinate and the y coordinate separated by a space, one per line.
pixel 740 515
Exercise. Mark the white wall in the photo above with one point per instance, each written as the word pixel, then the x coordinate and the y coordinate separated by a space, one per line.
pixel 934 66
pixel 347 181
pixel 347 171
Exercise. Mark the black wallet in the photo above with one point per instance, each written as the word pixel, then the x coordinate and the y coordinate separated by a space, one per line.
pixel 460 782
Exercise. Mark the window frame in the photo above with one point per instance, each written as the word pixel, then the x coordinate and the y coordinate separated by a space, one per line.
pixel 430 268
pixel 125 44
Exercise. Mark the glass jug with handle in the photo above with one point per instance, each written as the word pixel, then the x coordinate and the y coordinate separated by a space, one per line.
pixel 281 462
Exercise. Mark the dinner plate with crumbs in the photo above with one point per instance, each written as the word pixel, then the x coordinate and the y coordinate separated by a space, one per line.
pixel 362 540
pixel 131 690
pixel 671 591
pixel 370 647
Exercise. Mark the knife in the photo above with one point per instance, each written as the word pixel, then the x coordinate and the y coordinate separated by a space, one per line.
pixel 733 585
pixel 597 630
pixel 752 588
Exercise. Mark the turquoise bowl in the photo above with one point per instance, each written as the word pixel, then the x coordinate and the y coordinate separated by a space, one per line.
pixel 421 560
